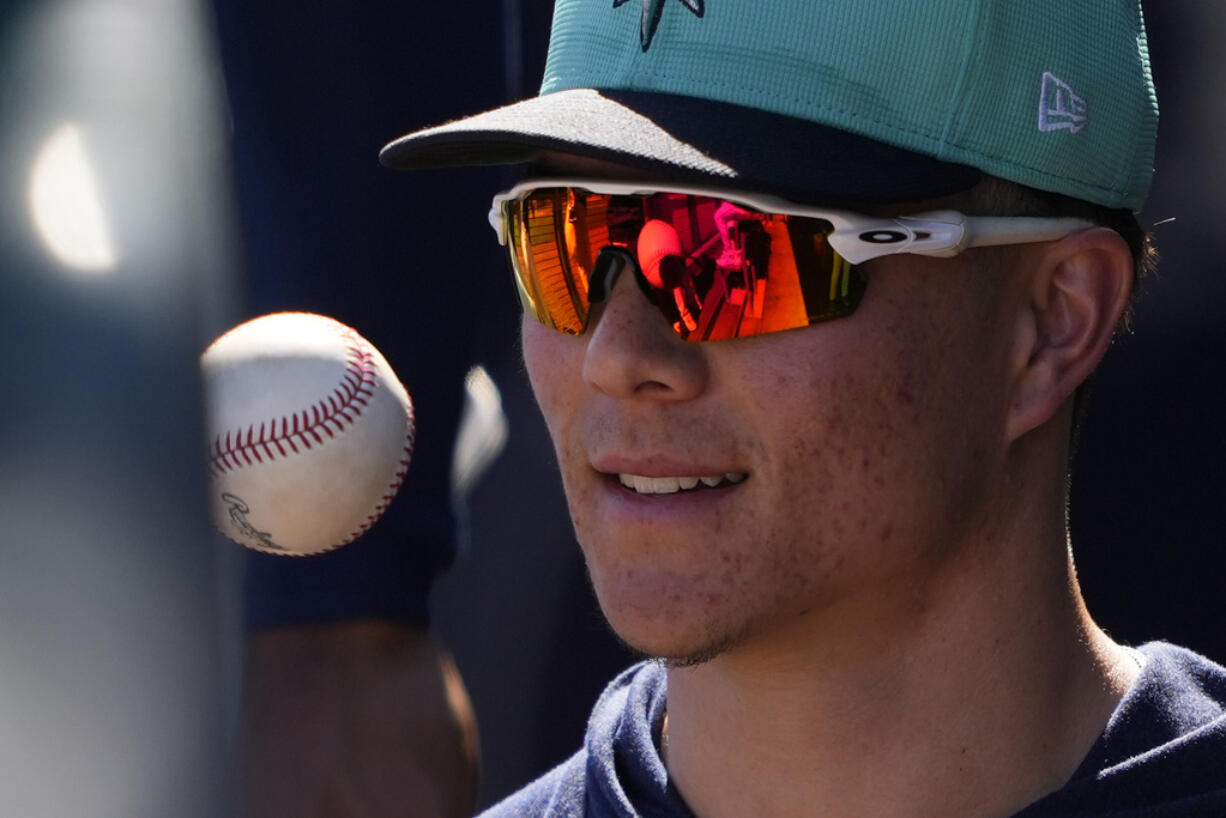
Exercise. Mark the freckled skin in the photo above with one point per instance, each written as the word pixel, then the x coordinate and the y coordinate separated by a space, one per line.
pixel 863 439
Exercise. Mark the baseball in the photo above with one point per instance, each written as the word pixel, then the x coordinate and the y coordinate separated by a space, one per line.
pixel 310 433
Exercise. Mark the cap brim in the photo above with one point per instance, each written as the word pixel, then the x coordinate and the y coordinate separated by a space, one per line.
pixel 686 139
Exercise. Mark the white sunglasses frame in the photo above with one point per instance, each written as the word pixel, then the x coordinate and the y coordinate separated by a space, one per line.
pixel 856 237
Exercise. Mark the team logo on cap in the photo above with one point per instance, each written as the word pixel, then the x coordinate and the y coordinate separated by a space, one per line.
pixel 652 9
pixel 1059 108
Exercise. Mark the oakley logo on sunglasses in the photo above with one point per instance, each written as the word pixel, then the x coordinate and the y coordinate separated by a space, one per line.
pixel 884 236
pixel 650 20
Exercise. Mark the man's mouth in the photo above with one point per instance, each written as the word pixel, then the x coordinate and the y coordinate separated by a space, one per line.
pixel 671 485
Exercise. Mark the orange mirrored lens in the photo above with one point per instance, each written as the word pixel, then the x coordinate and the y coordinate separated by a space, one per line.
pixel 714 269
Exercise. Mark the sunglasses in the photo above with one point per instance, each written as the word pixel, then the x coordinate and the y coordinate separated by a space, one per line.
pixel 716 264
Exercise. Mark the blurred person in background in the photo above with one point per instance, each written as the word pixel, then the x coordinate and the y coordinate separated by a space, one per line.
pixel 352 706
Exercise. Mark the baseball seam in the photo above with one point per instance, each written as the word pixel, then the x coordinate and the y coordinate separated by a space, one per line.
pixel 312 426
pixel 393 487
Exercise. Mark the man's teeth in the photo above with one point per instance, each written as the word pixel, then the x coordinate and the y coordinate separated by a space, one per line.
pixel 672 485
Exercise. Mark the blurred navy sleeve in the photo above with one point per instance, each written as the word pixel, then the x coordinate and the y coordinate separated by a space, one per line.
pixel 385 574
pixel 313 95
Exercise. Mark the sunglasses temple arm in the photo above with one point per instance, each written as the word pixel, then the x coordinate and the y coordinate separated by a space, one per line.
pixel 987 231
pixel 944 234
pixel 941 233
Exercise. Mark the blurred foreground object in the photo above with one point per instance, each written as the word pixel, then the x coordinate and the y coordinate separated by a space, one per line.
pixel 118 651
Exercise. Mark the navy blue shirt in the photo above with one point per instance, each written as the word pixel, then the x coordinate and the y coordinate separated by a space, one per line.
pixel 1162 753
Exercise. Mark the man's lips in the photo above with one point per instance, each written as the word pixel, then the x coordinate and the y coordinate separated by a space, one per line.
pixel 642 484
pixel 663 474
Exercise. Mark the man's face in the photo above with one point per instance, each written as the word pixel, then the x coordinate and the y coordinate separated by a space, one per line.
pixel 857 449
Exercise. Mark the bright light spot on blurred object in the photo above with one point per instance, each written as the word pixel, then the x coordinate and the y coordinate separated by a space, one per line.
pixel 65 205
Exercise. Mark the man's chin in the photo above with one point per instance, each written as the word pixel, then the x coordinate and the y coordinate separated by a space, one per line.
pixel 676 651
pixel 692 660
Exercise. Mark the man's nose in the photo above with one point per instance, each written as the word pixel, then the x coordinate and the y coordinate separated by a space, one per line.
pixel 632 352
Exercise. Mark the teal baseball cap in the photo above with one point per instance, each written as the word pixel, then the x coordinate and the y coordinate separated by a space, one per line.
pixel 847 100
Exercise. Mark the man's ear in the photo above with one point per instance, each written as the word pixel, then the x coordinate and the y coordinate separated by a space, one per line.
pixel 1078 289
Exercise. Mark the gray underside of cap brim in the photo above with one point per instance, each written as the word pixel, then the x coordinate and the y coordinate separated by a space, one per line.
pixel 581 121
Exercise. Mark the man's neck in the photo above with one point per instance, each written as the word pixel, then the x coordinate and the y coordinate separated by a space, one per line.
pixel 974 701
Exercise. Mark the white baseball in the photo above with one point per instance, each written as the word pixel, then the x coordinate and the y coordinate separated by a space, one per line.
pixel 310 433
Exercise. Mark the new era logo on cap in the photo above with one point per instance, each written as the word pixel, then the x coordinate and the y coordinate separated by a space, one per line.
pixel 1059 108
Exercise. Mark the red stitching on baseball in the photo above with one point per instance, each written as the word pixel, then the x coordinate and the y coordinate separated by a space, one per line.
pixel 229 451
pixel 393 487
